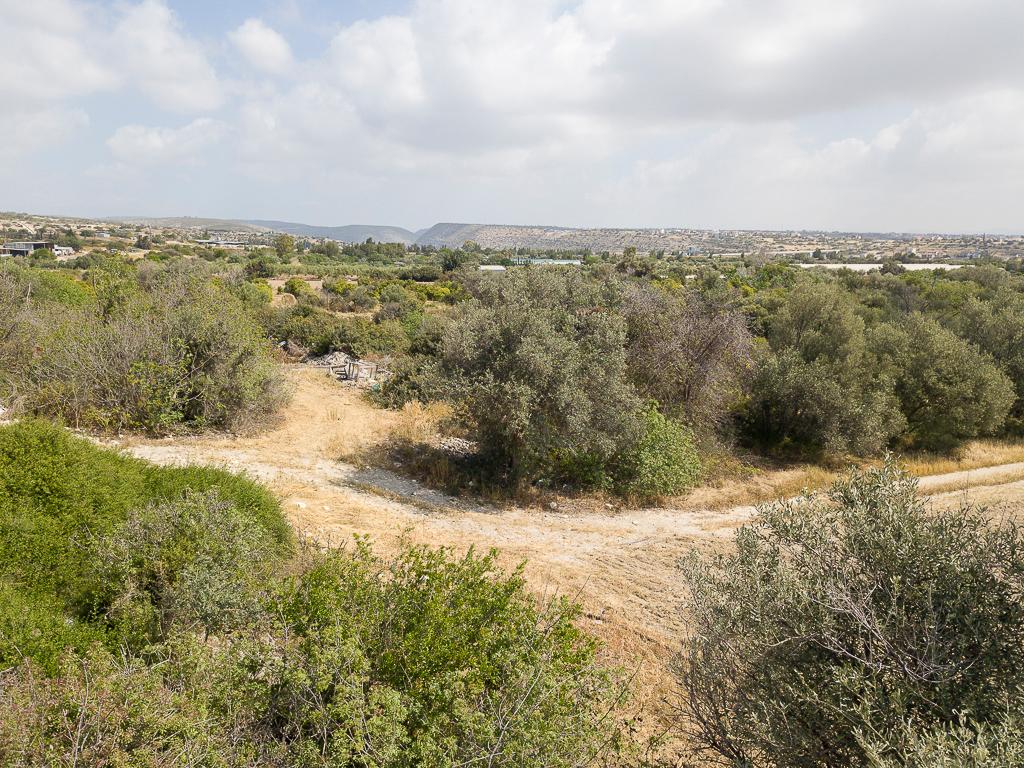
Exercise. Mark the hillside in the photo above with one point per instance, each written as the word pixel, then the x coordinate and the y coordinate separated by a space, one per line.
pixel 352 233
pixel 189 222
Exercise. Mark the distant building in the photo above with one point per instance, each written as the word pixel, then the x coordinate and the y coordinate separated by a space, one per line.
pixel 522 261
pixel 491 268
pixel 25 248
pixel 216 243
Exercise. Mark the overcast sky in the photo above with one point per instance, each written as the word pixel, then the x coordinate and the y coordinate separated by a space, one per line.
pixel 877 115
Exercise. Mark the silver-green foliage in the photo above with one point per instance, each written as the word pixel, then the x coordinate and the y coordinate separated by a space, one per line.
pixel 138 351
pixel 861 617
pixel 538 365
pixel 195 562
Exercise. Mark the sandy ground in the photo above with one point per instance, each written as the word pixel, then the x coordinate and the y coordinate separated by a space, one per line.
pixel 622 565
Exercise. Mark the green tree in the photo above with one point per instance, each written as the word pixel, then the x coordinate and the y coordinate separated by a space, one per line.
pixel 949 390
pixel 538 366
pixel 284 245
pixel 816 388
pixel 997 327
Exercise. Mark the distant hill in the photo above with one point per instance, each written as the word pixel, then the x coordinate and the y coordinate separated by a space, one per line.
pixel 190 222
pixel 351 233
pixel 451 234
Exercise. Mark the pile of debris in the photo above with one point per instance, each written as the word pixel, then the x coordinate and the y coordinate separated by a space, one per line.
pixel 344 367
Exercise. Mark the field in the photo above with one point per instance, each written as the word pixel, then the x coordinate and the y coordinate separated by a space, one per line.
pixel 620 563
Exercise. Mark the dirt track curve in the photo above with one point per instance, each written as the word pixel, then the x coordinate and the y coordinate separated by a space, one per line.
pixel 621 564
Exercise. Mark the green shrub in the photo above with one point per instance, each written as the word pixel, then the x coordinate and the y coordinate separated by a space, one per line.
pixel 949 390
pixel 148 351
pixel 664 461
pixel 364 338
pixel 815 388
pixel 301 290
pixel 843 627
pixel 309 326
pixel 424 660
pixel 60 496
pixel 809 408
pixel 194 562
pixel 538 366
pixel 101 710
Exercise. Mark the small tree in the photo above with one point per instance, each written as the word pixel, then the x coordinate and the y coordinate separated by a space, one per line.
pixel 816 388
pixel 538 364
pixel 686 351
pixel 846 626
pixel 949 390
pixel 284 245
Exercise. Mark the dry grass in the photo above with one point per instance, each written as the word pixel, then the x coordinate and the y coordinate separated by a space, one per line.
pixel 968 480
pixel 414 424
pixel 977 454
pixel 740 484
pixel 756 486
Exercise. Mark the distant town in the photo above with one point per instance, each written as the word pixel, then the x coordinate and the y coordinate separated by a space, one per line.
pixel 22 234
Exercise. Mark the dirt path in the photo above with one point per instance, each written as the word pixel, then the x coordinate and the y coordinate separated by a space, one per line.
pixel 622 565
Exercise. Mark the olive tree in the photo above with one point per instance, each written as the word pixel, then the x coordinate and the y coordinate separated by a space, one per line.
pixel 686 351
pixel 815 387
pixel 997 327
pixel 949 390
pixel 845 627
pixel 536 361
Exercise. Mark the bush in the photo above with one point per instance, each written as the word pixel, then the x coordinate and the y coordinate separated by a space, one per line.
pixel 178 352
pixel 195 562
pixel 301 290
pixel 997 327
pixel 59 497
pixel 306 325
pixel 539 366
pixel 687 352
pixel 423 660
pixel 104 711
pixel 860 617
pixel 819 406
pixel 816 389
pixel 663 462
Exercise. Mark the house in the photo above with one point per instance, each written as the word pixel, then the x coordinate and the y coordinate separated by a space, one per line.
pixel 24 248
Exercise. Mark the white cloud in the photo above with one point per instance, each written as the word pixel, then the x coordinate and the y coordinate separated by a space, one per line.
pixel 46 52
pixel 23 132
pixel 170 68
pixel 849 113
pixel 262 47
pixel 953 167
pixel 141 145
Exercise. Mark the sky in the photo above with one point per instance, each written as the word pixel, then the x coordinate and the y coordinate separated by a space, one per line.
pixel 852 115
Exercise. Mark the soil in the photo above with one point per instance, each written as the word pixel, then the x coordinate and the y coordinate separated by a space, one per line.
pixel 622 565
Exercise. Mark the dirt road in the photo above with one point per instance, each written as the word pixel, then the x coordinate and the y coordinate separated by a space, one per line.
pixel 621 564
